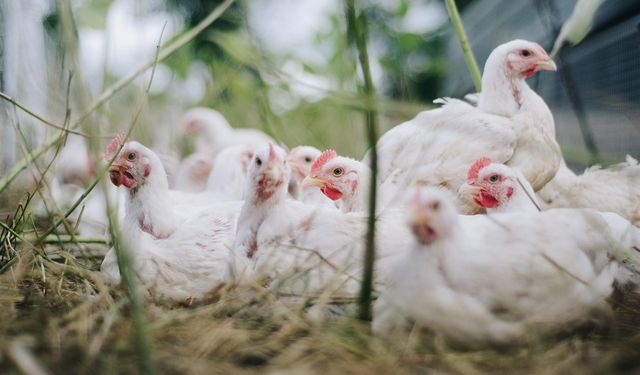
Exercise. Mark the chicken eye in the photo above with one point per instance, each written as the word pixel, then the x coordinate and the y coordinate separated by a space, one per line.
pixel 258 162
pixel 525 53
pixel 131 156
pixel 307 159
pixel 435 206
pixel 338 172
pixel 493 178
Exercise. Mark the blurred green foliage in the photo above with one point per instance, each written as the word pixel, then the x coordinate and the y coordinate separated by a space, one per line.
pixel 245 76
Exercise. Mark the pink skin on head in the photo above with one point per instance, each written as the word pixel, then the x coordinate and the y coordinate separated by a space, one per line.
pixel 490 192
pixel 424 233
pixel 486 200
pixel 322 160
pixel 327 189
pixel 118 171
pixel 113 146
pixel 335 187
pixel 122 171
pixel 266 185
pixel 489 195
pixel 421 229
pixel 528 65
pixel 272 155
pixel 475 168
pixel 331 193
pixel 120 177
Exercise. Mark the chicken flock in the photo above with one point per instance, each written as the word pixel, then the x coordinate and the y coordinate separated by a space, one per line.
pixel 482 232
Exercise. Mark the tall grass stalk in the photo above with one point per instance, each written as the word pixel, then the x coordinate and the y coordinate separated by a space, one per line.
pixel 472 65
pixel 136 308
pixel 125 261
pixel 357 31
pixel 112 90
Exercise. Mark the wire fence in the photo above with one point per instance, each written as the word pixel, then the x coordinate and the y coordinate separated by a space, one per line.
pixel 596 92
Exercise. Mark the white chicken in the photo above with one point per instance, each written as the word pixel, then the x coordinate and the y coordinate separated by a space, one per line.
pixel 300 159
pixel 302 249
pixel 341 179
pixel 499 191
pixel 476 280
pixel 615 189
pixel 177 254
pixel 498 188
pixel 193 173
pixel 511 124
pixel 214 133
pixel 228 178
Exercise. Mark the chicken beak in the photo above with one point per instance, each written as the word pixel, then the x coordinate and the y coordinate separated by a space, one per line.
pixel 312 181
pixel 418 218
pixel 273 174
pixel 115 173
pixel 468 189
pixel 547 64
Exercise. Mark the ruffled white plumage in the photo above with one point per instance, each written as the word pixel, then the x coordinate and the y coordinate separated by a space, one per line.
pixel 612 189
pixel 493 278
pixel 511 124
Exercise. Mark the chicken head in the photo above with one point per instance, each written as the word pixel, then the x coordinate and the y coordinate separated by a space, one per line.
pixel 337 177
pixel 432 214
pixel 268 172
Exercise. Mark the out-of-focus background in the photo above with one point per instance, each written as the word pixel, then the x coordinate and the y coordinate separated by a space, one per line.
pixel 284 66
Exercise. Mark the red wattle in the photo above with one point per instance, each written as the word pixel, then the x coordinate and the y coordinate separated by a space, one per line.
pixel 114 176
pixel 331 193
pixel 486 200
pixel 531 71
pixel 127 182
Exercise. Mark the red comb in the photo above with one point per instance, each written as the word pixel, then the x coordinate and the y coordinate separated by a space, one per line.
pixel 322 159
pixel 476 167
pixel 272 153
pixel 113 146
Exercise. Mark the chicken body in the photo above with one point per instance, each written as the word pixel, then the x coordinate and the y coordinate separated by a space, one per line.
pixel 615 189
pixel 178 250
pixel 477 280
pixel 230 173
pixel 303 249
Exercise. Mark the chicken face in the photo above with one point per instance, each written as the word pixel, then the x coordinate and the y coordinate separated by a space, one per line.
pixel 489 184
pixel 432 214
pixel 526 58
pixel 269 171
pixel 337 177
pixel 132 166
pixel 300 159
